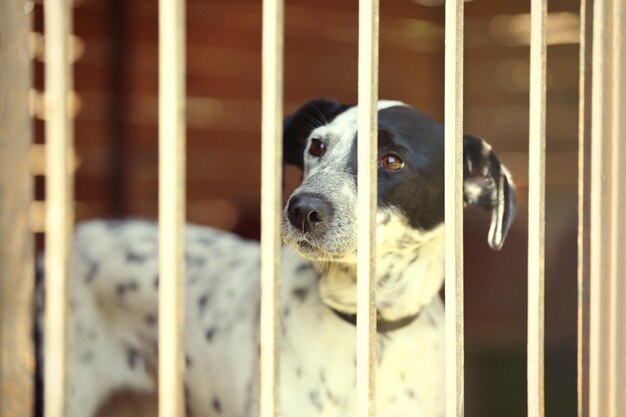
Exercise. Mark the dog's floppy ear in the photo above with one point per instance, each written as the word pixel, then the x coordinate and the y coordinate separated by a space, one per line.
pixel 487 184
pixel 299 125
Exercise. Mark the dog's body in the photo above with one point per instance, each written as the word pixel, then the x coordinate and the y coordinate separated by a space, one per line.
pixel 116 281
pixel 116 306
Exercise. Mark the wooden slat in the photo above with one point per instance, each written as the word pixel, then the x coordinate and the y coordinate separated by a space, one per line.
pixel 536 209
pixel 600 210
pixel 584 201
pixel 16 188
pixel 59 196
pixel 455 383
pixel 171 207
pixel 271 183
pixel 230 19
pixel 366 208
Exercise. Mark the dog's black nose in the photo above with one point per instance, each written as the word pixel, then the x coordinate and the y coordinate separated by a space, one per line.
pixel 307 212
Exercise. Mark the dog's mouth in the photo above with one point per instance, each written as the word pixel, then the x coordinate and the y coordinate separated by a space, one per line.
pixel 309 250
pixel 313 250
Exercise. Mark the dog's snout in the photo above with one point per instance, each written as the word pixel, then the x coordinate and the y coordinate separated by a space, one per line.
pixel 307 212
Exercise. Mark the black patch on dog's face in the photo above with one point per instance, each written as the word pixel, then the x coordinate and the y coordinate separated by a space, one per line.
pixel 298 126
pixel 417 189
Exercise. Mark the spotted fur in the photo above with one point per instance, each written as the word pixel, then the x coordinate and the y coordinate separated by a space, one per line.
pixel 115 282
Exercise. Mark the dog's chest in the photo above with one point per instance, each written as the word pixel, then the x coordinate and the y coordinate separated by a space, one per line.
pixel 318 358
pixel 317 355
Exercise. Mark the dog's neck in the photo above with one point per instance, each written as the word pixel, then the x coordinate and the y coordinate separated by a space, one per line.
pixel 409 274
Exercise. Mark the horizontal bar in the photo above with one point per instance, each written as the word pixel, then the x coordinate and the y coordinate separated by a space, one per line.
pixel 171 207
pixel 59 213
pixel 536 208
pixel 455 383
pixel 271 186
pixel 366 208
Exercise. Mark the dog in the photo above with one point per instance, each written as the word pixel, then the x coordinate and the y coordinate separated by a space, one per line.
pixel 115 280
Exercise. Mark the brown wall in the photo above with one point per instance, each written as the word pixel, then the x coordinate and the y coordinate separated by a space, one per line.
pixel 116 140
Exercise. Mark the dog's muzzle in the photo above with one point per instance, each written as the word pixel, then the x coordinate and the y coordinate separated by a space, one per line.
pixel 308 213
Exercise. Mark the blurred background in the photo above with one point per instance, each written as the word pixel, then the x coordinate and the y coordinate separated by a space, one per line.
pixel 116 82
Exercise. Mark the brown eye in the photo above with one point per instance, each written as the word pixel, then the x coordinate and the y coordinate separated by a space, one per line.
pixel 317 148
pixel 392 162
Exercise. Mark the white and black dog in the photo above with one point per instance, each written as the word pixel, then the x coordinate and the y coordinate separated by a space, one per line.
pixel 115 280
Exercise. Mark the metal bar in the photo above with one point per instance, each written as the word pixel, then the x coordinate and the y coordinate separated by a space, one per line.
pixel 171 206
pixel 455 382
pixel 536 208
pixel 584 202
pixel 366 207
pixel 271 187
pixel 59 208
pixel 600 210
pixel 16 188
pixel 617 285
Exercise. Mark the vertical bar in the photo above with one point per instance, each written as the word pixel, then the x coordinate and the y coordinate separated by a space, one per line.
pixel 536 208
pixel 16 189
pixel 59 208
pixel 455 381
pixel 617 285
pixel 171 206
pixel 584 202
pixel 366 207
pixel 600 209
pixel 607 351
pixel 271 186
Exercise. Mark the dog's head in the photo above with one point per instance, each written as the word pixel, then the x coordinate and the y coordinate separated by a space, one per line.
pixel 319 220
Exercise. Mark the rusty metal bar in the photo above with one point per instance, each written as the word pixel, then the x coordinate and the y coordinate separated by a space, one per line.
pixel 16 188
pixel 271 187
pixel 584 202
pixel 455 383
pixel 536 208
pixel 366 207
pixel 59 207
pixel 171 207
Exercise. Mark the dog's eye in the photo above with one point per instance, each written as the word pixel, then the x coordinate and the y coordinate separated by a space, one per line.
pixel 317 148
pixel 392 162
